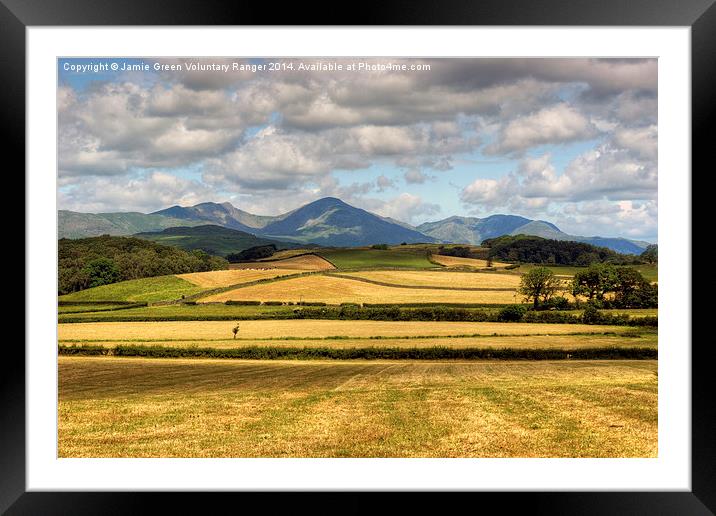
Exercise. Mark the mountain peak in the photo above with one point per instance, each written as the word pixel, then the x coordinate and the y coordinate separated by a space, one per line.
pixel 327 201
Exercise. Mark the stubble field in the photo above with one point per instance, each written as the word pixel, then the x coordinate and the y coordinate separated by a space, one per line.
pixel 114 407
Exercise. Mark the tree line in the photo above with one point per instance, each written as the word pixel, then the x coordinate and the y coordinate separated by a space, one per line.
pixel 603 284
pixel 534 249
pixel 95 261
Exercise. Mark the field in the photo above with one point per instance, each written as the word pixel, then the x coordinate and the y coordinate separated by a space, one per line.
pixel 565 342
pixel 456 261
pixel 172 380
pixel 303 262
pixel 114 407
pixel 160 288
pixel 441 279
pixel 220 330
pixel 355 258
pixel 336 290
pixel 214 279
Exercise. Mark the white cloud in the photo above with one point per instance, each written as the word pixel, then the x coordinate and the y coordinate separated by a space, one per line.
pixel 143 193
pixel 556 124
pixel 406 208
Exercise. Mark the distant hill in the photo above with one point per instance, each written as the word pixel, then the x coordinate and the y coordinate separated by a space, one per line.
pixel 213 239
pixel 326 222
pixel 224 214
pixel 72 224
pixel 330 221
pixel 472 230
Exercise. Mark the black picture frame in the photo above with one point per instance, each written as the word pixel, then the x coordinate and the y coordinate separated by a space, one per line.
pixel 700 15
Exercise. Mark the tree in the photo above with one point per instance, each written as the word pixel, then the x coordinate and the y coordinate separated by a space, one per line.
pixel 650 254
pixel 633 290
pixel 101 271
pixel 235 329
pixel 538 283
pixel 596 281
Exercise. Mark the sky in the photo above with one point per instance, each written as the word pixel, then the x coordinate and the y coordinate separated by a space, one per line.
pixel 570 141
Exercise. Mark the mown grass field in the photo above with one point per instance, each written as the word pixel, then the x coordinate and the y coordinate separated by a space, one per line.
pixel 186 312
pixel 336 290
pixel 456 261
pixel 222 330
pixel 159 288
pixel 350 258
pixel 132 407
pixel 643 339
pixel 214 279
pixel 346 388
pixel 440 279
pixel 303 262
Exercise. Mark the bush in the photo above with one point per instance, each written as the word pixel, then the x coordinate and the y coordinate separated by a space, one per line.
pixel 557 303
pixel 511 313
pixel 592 315
pixel 273 303
pixel 242 302
pixel 306 353
pixel 383 247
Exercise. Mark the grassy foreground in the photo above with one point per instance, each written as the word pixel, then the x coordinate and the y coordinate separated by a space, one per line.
pixel 133 407
pixel 159 288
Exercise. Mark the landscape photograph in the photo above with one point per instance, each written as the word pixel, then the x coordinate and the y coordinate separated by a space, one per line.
pixel 357 257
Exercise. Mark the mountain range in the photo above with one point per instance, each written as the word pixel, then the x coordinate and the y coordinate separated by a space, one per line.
pixel 328 222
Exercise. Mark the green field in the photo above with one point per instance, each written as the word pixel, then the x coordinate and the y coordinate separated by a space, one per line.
pixel 375 258
pixel 650 272
pixel 151 290
pixel 133 407
pixel 179 312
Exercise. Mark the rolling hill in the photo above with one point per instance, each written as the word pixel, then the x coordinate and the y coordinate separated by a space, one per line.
pixel 472 230
pixel 213 239
pixel 326 222
pixel 72 224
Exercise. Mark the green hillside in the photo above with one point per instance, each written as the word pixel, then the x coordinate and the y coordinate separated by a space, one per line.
pixel 71 224
pixel 213 239
pixel 90 262
pixel 150 290
pixel 348 258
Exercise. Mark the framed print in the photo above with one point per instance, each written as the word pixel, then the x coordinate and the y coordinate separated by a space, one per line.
pixel 419 253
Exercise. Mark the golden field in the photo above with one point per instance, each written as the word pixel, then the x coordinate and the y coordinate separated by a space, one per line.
pixel 305 262
pixel 226 278
pixel 456 261
pixel 133 407
pixel 334 290
pixel 566 342
pixel 310 328
pixel 441 279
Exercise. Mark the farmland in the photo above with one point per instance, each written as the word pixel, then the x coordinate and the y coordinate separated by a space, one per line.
pixel 152 367
pixel 304 262
pixel 456 280
pixel 336 290
pixel 217 408
pixel 160 288
pixel 376 258
pixel 456 261
pixel 213 279
pixel 202 330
